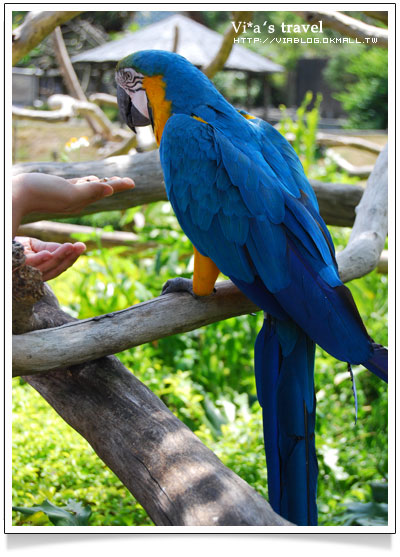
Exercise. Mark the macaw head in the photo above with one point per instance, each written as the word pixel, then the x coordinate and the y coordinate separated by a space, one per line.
pixel 152 85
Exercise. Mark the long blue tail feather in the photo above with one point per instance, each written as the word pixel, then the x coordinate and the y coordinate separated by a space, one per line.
pixel 285 389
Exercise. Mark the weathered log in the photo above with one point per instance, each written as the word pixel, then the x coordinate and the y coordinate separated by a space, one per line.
pixel 337 201
pixel 348 26
pixel 48 231
pixel 176 478
pixel 369 232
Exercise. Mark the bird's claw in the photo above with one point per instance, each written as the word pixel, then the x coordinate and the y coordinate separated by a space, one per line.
pixel 180 284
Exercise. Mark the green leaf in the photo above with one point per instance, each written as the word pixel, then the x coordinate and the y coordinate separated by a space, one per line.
pixel 60 516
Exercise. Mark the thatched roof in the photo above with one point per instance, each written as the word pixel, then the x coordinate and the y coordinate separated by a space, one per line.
pixel 197 43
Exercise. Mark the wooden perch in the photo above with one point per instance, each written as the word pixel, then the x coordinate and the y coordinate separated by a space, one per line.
pixel 337 201
pixel 177 479
pixel 158 318
pixel 36 26
pixel 348 26
pixel 369 232
pixel 62 232
pixel 65 107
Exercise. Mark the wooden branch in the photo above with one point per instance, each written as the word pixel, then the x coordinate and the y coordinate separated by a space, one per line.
pixel 332 140
pixel 227 43
pixel 348 26
pixel 368 236
pixel 342 162
pixel 48 231
pixel 36 26
pixel 104 99
pixel 176 39
pixel 337 201
pixel 65 107
pixel 70 78
pixel 176 478
pixel 158 318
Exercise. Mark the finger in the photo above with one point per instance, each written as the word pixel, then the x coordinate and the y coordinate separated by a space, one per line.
pixel 62 266
pixel 39 245
pixel 120 184
pixel 61 255
pixel 37 260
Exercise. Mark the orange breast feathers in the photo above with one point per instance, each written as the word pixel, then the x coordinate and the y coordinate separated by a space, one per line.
pixel 161 107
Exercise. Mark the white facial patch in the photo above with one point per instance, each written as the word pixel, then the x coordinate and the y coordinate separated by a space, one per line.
pixel 132 82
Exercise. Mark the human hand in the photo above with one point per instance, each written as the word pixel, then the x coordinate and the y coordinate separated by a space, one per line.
pixel 50 258
pixel 37 192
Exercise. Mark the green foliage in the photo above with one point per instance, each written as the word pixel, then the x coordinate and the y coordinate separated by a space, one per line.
pixel 373 513
pixel 304 129
pixel 73 514
pixel 362 82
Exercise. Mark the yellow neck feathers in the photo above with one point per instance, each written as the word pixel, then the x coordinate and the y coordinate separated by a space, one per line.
pixel 155 90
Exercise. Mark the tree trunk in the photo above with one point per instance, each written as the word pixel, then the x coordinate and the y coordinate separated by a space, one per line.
pixel 176 478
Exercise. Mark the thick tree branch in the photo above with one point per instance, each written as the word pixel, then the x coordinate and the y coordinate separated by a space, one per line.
pixel 369 232
pixel 36 26
pixel 348 26
pixel 158 318
pixel 337 201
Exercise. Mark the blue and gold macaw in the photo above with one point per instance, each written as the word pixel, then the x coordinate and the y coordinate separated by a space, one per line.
pixel 240 194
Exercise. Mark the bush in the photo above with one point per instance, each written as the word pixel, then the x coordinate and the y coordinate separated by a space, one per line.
pixel 363 85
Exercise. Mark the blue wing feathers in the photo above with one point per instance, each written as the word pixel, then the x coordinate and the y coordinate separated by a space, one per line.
pixel 261 228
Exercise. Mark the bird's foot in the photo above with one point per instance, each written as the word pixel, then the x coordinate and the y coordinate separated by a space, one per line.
pixel 180 284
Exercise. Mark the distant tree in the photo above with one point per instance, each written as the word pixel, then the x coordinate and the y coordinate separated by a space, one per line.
pixel 362 85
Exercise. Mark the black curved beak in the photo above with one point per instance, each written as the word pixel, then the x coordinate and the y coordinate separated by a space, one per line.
pixel 129 114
